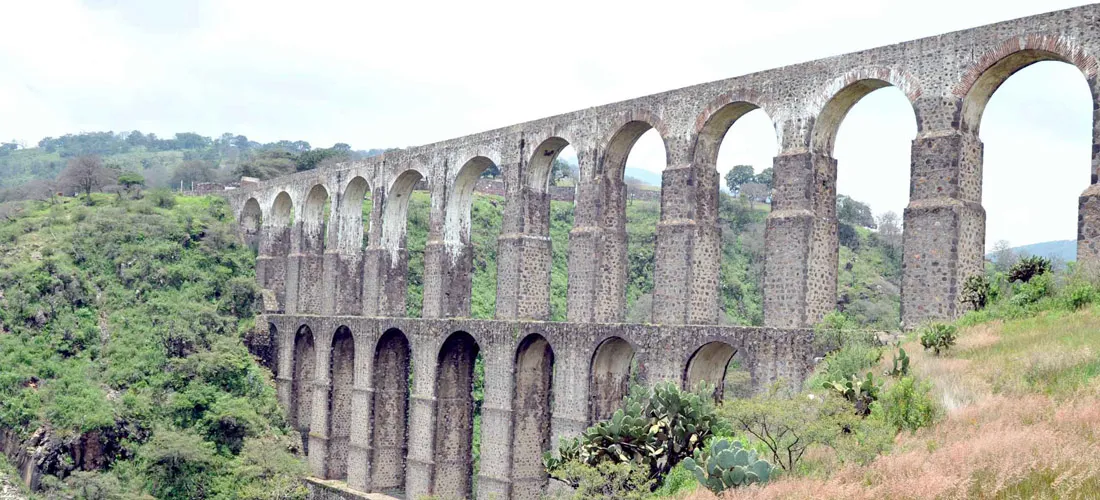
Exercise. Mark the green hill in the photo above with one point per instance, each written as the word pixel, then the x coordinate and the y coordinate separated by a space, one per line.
pixel 120 342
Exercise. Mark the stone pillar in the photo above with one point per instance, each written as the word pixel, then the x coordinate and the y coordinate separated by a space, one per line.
pixel 305 266
pixel 284 381
pixel 524 253
pixel 569 413
pixel 800 241
pixel 318 426
pixel 385 281
pixel 688 249
pixel 362 415
pixel 944 237
pixel 597 246
pixel 420 462
pixel 1088 204
pixel 494 477
pixel 271 265
pixel 448 272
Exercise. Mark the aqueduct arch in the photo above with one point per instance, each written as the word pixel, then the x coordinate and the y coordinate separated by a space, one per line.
pixel 948 80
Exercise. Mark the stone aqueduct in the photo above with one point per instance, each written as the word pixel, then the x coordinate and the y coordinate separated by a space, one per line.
pixel 345 353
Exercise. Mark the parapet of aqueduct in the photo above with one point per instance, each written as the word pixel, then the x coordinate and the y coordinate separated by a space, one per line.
pixel 345 351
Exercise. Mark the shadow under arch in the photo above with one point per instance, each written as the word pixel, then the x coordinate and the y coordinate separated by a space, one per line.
pixel 454 416
pixel 531 411
pixel 301 397
pixel 609 377
pixel 250 223
pixel 350 214
pixel 392 365
pixel 721 365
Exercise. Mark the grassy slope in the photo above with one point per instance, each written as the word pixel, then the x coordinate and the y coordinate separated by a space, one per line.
pixel 123 322
pixel 1023 412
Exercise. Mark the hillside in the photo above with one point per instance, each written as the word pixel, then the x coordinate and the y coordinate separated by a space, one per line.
pixel 1063 250
pixel 120 342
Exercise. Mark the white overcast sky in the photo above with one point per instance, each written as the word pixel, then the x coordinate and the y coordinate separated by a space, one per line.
pixel 401 73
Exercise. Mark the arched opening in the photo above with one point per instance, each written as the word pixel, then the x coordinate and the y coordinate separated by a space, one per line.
pixel 553 174
pixel 311 247
pixel 473 252
pixel 354 216
pixel 720 365
pixel 531 407
pixel 269 353
pixel 610 377
pixel 391 404
pixel 868 127
pixel 301 397
pixel 342 379
pixel 633 164
pixel 404 235
pixel 314 223
pixel 251 221
pixel 739 141
pixel 1034 115
pixel 271 268
pixel 454 417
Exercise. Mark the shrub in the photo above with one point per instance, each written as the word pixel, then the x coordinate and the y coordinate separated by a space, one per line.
pixel 162 198
pixel 1080 295
pixel 724 465
pixel 618 480
pixel 907 405
pixel 178 464
pixel 656 429
pixel 861 393
pixel 1033 290
pixel 938 337
pixel 787 426
pixel 976 291
pixel 1028 267
pixel 899 365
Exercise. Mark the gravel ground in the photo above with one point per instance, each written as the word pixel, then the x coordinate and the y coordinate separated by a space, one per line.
pixel 8 491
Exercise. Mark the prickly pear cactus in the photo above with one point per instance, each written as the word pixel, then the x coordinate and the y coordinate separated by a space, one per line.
pixel 726 465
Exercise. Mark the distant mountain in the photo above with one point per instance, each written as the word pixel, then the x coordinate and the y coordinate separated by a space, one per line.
pixel 651 178
pixel 1065 250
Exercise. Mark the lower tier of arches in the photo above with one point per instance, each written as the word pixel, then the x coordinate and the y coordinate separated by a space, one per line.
pixel 387 404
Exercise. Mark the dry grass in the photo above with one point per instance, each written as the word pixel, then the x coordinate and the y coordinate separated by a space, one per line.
pixel 1022 421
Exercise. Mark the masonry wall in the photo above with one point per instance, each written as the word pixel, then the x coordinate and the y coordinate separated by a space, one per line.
pixel 319 273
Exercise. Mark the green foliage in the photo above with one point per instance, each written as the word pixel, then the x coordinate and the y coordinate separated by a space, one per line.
pixel 724 465
pixel 1029 267
pixel 899 366
pixel 938 337
pixel 130 180
pixel 1034 289
pixel 656 429
pixel 122 323
pixel 849 352
pixel 854 212
pixel 861 393
pixel 737 176
pixel 788 425
pixel 613 480
pixel 907 404
pixel 976 291
pixel 1081 294
pixel 161 198
pixel 179 465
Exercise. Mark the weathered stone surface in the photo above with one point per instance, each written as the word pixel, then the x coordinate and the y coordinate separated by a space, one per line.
pixel 349 275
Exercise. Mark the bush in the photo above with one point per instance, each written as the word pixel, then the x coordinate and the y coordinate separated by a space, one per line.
pixel 938 337
pixel 656 429
pixel 724 465
pixel 861 393
pixel 787 426
pixel 161 198
pixel 1080 295
pixel 618 480
pixel 1028 267
pixel 1033 290
pixel 976 291
pixel 178 464
pixel 907 405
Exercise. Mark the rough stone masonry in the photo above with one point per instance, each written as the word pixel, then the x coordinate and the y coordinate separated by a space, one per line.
pixel 335 306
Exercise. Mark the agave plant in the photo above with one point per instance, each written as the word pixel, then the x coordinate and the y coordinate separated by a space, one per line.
pixel 726 465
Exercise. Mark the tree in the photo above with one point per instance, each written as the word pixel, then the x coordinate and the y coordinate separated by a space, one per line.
pixel 130 180
pixel 766 177
pixel 755 191
pixel 190 172
pixel 737 176
pixel 1004 257
pixel 86 174
pixel 561 170
pixel 854 212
